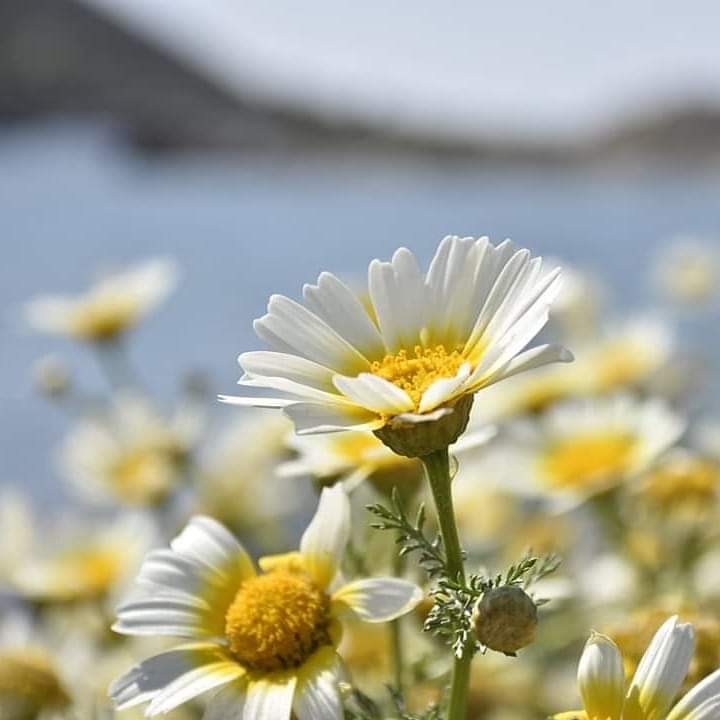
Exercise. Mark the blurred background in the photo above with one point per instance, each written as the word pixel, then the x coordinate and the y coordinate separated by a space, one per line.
pixel 256 143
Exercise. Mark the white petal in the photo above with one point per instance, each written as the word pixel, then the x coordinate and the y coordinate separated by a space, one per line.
pixel 374 393
pixel 601 678
pixel 308 336
pixel 706 689
pixel 258 402
pixel 228 704
pixel 313 417
pixel 663 669
pixel 379 599
pixel 270 701
pixel 318 698
pixel 443 390
pixel 206 541
pixel 326 538
pixel 292 367
pixel 708 710
pixel 144 681
pixel 194 683
pixel 531 359
pixel 339 307
pixel 172 617
pixel 397 290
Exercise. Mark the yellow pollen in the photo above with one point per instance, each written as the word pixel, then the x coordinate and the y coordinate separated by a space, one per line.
pixel 77 573
pixel 587 460
pixel 416 371
pixel 28 684
pixel 103 318
pixel 277 621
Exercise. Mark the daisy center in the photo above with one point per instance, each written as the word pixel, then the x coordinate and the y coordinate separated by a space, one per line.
pixel 277 621
pixel 582 461
pixel 84 573
pixel 28 680
pixel 144 475
pixel 102 319
pixel 415 371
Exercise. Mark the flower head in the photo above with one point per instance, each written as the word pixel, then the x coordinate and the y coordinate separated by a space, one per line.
pixel 583 447
pixel 131 455
pixel 655 684
pixel 431 341
pixel 267 641
pixel 108 308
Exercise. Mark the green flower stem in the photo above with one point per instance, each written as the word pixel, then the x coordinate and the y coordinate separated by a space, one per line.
pixel 396 633
pixel 437 467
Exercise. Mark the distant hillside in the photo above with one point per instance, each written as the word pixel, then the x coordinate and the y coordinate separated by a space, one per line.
pixel 58 58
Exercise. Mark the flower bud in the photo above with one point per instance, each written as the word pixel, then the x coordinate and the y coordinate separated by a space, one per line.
pixel 418 438
pixel 505 619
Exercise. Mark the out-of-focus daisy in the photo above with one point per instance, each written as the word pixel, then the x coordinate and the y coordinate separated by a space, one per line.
pixel 353 456
pixel 31 685
pixel 684 486
pixel 633 635
pixel 237 474
pixel 437 339
pixel 267 641
pixel 626 356
pixel 655 685
pixel 688 270
pixel 108 308
pixel 131 455
pixel 82 562
pixel 583 447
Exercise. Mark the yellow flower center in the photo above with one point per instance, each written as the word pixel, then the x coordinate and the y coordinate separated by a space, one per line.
pixel 145 475
pixel 622 364
pixel 684 486
pixel 78 573
pixel 414 372
pixel 103 318
pixel 28 684
pixel 587 460
pixel 277 621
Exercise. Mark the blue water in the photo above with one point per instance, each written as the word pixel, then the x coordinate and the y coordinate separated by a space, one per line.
pixel 72 201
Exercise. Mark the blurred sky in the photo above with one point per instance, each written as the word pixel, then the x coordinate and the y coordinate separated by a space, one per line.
pixel 506 67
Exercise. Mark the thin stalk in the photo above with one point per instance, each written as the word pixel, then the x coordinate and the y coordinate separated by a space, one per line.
pixel 437 467
pixel 396 634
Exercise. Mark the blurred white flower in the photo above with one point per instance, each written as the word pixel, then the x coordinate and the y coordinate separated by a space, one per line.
pixel 82 561
pixel 433 340
pixel 582 447
pixel 266 643
pixel 111 306
pixel 688 270
pixel 131 454
pixel 31 684
pixel 237 474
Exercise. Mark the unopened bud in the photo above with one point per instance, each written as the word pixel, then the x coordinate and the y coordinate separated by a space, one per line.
pixel 505 619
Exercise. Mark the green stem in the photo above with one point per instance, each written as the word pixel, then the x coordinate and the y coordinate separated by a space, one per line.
pixel 396 633
pixel 437 467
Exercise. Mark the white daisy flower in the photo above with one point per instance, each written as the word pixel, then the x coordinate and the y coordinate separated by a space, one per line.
pixel 131 455
pixel 266 641
pixel 81 563
pixel 431 341
pixel 582 447
pixel 655 685
pixel 108 308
